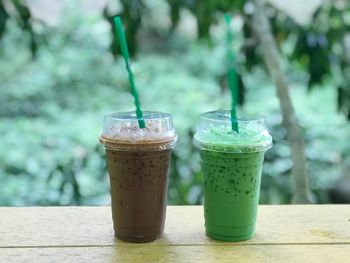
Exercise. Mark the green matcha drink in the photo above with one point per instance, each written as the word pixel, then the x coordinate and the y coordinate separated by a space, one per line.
pixel 231 165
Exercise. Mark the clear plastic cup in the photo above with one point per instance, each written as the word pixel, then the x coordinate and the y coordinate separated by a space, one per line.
pixel 231 165
pixel 138 162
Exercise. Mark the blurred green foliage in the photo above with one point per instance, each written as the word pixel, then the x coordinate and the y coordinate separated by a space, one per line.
pixel 51 109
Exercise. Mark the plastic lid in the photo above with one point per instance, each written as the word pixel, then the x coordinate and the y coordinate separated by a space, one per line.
pixel 214 132
pixel 121 130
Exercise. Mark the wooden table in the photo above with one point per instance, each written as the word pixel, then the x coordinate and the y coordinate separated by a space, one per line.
pixel 285 233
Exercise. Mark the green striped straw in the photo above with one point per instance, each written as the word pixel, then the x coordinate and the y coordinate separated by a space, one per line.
pixel 231 74
pixel 125 53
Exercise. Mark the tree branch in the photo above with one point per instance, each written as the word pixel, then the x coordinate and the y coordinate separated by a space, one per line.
pixel 261 26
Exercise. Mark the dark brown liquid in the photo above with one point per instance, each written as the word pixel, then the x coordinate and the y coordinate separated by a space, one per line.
pixel 139 193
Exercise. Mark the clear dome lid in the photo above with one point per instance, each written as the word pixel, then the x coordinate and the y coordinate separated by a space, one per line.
pixel 215 132
pixel 122 128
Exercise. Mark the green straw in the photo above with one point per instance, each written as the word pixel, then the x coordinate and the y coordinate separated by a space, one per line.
pixel 125 52
pixel 231 74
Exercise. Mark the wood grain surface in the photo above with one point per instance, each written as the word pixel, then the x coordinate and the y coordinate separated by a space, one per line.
pixel 217 254
pixel 285 233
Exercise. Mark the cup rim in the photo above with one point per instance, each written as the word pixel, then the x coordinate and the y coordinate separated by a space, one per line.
pixel 144 145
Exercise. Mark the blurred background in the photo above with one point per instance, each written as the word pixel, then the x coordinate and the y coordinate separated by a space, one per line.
pixel 61 71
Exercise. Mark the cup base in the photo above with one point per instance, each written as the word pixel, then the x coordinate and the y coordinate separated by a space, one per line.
pixel 138 235
pixel 229 238
pixel 137 239
pixel 230 233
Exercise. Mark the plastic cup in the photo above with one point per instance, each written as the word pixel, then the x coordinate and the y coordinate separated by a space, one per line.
pixel 138 162
pixel 231 165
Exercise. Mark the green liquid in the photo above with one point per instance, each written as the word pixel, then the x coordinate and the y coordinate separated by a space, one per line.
pixel 231 193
